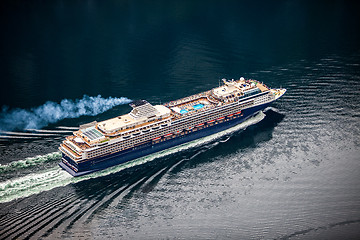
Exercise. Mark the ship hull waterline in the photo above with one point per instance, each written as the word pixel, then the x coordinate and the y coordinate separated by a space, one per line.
pixel 101 163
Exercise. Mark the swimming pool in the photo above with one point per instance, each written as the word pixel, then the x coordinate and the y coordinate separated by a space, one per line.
pixel 198 106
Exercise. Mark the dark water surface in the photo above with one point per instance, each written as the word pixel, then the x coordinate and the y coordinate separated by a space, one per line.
pixel 291 172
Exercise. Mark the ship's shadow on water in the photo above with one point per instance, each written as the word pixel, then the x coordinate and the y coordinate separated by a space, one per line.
pixel 146 176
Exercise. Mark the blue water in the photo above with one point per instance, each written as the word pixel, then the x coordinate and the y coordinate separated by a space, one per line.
pixel 293 175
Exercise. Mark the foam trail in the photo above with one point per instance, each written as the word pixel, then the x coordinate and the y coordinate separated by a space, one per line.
pixel 33 184
pixel 272 109
pixel 52 112
pixel 27 134
pixel 69 128
pixel 227 139
pixel 56 177
pixel 17 137
pixel 48 131
pixel 29 162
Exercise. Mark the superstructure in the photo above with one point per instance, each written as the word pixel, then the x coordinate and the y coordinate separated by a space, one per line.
pixel 148 129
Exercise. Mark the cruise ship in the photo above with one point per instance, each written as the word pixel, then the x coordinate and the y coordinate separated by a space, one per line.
pixel 152 128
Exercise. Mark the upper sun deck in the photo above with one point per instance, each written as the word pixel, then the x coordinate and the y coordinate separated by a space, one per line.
pixel 142 113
